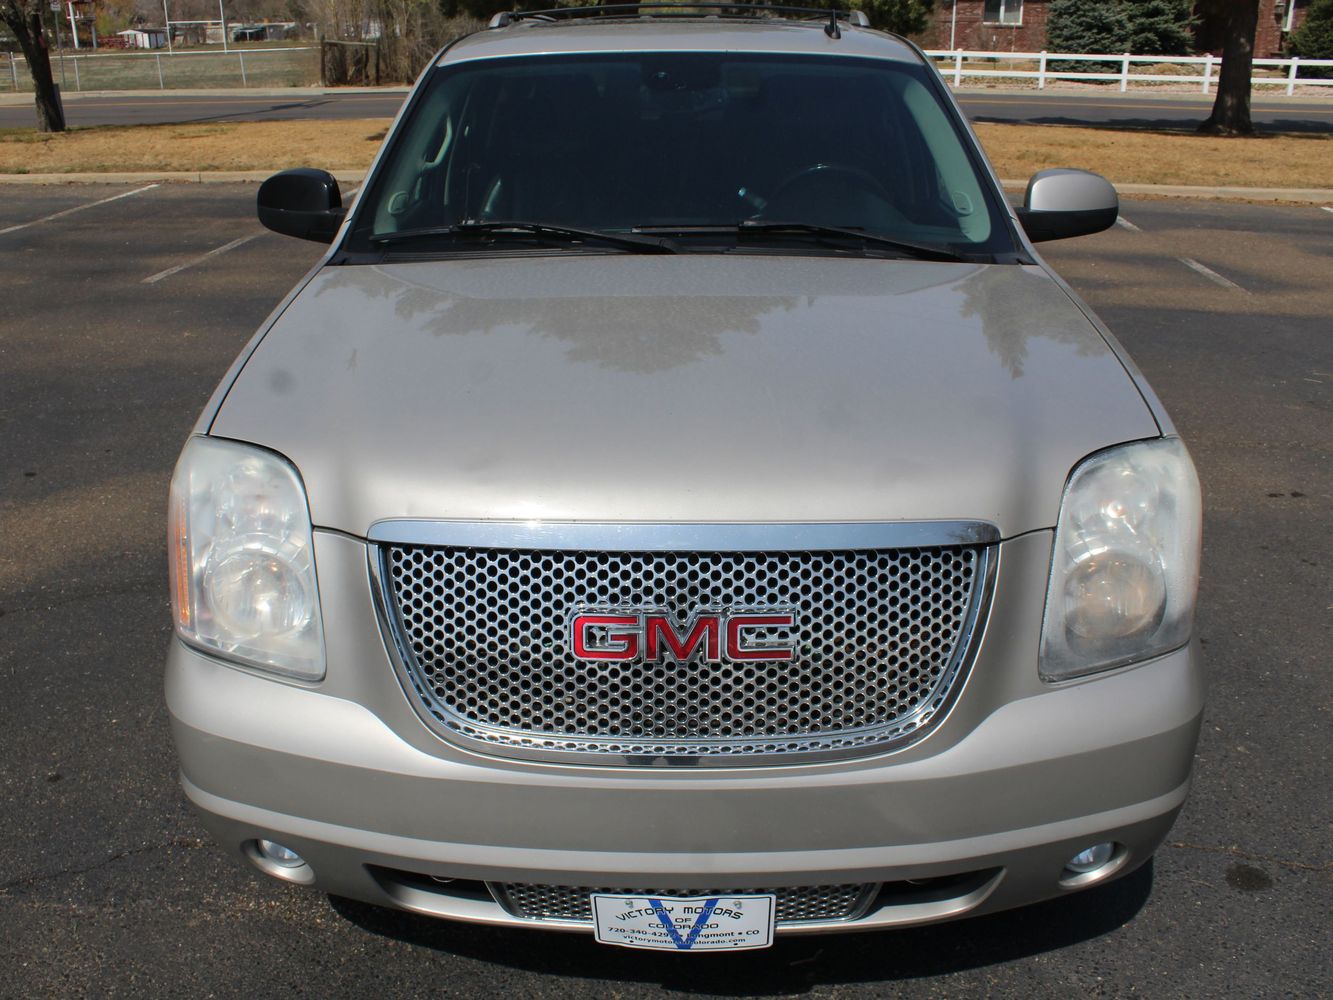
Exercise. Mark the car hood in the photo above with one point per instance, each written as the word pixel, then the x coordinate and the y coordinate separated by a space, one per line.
pixel 683 388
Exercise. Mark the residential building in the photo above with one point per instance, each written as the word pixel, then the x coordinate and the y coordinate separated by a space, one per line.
pixel 1020 26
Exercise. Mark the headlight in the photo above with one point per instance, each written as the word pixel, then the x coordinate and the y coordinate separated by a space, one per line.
pixel 242 564
pixel 1126 564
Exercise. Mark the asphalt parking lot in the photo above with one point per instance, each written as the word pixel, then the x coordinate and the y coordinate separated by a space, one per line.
pixel 124 305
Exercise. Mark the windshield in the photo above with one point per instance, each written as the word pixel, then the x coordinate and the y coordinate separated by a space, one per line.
pixel 693 144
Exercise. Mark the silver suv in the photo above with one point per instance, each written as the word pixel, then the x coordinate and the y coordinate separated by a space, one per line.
pixel 682 507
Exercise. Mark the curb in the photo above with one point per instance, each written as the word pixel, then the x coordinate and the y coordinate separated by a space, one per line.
pixel 1310 196
pixel 23 98
pixel 166 177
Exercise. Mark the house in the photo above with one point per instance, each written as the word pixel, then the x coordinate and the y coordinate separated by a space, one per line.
pixel 143 38
pixel 1277 19
pixel 1020 26
pixel 266 32
pixel 987 25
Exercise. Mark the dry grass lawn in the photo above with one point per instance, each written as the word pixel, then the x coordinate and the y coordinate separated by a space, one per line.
pixel 334 145
pixel 1016 150
pixel 1290 161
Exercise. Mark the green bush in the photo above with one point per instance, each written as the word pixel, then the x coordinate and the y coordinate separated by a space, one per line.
pixel 1314 38
pixel 1160 27
pixel 1087 26
pixel 1142 27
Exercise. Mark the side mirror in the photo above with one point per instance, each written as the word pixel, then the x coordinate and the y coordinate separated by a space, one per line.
pixel 1064 203
pixel 304 203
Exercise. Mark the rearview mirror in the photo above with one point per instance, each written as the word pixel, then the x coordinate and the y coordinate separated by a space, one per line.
pixel 1064 203
pixel 304 203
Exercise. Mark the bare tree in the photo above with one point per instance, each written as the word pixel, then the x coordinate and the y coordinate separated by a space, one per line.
pixel 1231 109
pixel 24 19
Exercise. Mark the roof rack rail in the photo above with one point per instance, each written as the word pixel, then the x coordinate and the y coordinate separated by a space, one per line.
pixel 740 11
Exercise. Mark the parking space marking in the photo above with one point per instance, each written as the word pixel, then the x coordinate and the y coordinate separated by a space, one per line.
pixel 77 208
pixel 1124 223
pixel 1210 274
pixel 1327 208
pixel 153 279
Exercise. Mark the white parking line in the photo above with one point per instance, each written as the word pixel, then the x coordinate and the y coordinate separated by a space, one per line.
pixel 153 279
pixel 1326 208
pixel 1210 274
pixel 1124 223
pixel 77 208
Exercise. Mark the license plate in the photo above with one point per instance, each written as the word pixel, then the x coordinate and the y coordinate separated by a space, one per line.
pixel 684 923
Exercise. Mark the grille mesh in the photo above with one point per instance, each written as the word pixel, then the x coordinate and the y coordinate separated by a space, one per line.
pixel 484 636
pixel 568 902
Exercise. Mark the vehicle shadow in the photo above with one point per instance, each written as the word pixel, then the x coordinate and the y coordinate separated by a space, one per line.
pixel 793 965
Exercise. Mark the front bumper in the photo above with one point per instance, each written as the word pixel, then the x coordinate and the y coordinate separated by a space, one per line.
pixel 1019 778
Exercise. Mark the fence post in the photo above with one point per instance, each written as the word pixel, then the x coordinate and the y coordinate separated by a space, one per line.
pixel 241 56
pixel 1291 76
pixel 1124 73
pixel 161 84
pixel 958 68
pixel 77 84
pixel 1207 72
pixel 1041 71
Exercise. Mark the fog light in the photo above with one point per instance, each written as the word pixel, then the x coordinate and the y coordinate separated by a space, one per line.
pixel 1090 859
pixel 280 855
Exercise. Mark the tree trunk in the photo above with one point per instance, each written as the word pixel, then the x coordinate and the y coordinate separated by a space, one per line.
pixel 1231 109
pixel 27 29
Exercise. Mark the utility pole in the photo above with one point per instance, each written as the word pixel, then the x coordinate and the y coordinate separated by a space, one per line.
pixel 60 45
pixel 166 20
pixel 223 14
pixel 73 28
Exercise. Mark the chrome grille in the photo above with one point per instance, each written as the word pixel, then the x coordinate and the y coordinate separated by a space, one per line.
pixel 569 902
pixel 882 640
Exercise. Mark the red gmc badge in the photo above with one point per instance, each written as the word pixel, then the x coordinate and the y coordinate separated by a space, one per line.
pixel 711 636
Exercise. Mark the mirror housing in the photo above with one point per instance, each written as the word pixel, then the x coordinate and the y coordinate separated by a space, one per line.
pixel 304 203
pixel 1063 203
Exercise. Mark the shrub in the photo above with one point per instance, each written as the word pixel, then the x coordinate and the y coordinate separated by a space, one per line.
pixel 1314 38
pixel 1087 26
pixel 1160 27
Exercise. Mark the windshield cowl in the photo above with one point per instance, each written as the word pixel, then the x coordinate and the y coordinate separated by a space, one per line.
pixel 524 233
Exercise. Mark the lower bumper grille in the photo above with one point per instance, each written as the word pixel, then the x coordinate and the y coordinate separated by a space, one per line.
pixel 802 904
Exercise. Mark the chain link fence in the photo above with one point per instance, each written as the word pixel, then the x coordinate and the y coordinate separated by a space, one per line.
pixel 250 67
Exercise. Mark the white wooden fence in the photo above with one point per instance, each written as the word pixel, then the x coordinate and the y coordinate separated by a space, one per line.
pixel 958 64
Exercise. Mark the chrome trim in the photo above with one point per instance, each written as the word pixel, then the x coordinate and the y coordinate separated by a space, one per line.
pixel 857 909
pixel 401 891
pixel 640 536
pixel 521 745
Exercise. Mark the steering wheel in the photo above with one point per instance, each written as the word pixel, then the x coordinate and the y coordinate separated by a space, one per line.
pixel 823 172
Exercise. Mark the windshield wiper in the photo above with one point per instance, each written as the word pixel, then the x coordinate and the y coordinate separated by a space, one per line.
pixel 495 231
pixel 831 235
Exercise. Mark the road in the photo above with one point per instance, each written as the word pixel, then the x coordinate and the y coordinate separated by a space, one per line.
pixel 1135 110
pixel 125 305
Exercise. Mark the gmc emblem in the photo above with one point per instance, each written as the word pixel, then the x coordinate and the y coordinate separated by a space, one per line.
pixel 712 636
